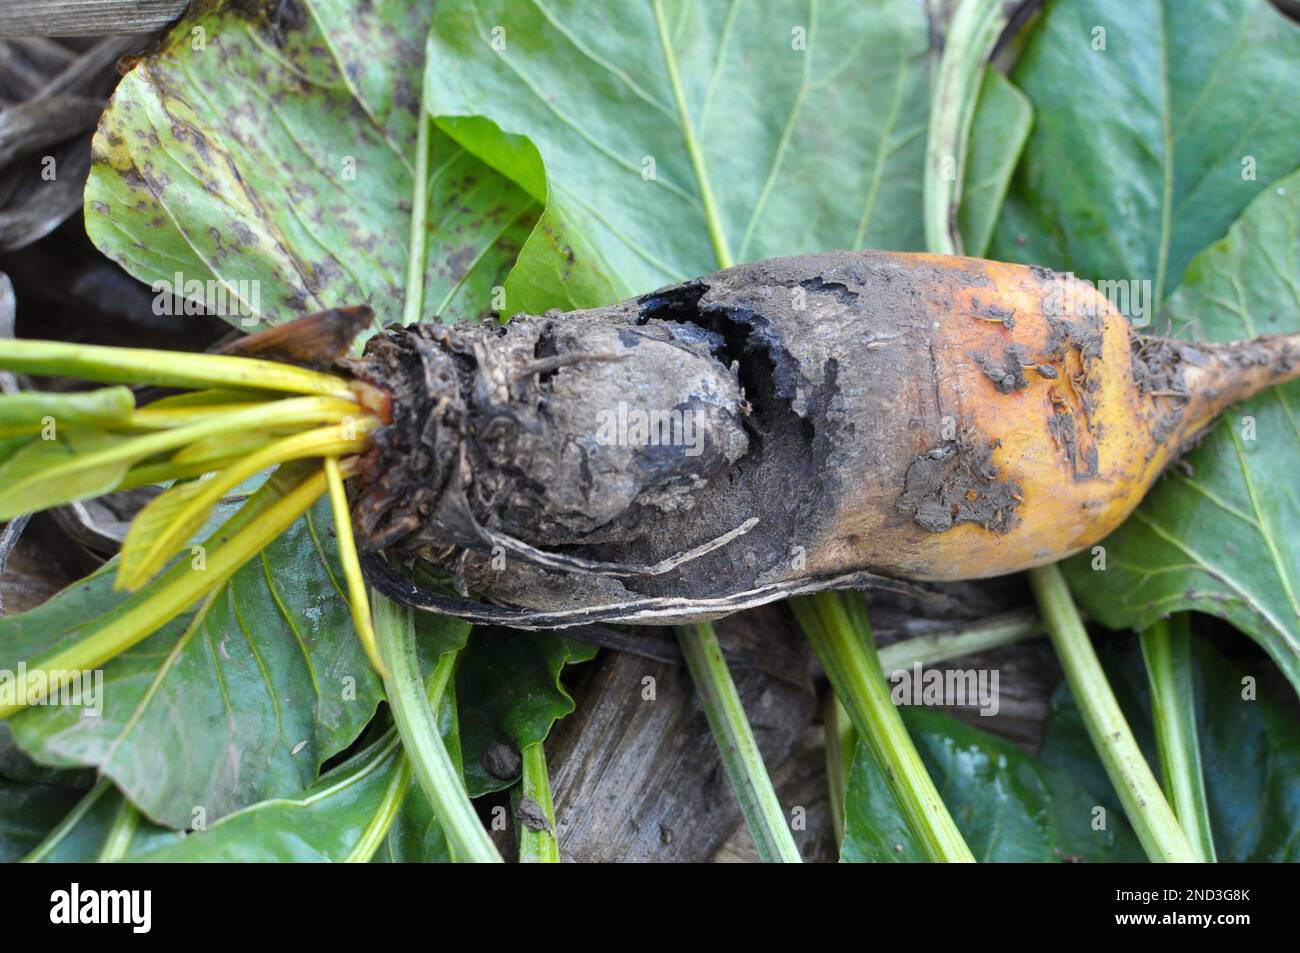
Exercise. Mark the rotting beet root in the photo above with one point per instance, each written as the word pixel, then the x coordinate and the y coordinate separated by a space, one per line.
pixel 803 423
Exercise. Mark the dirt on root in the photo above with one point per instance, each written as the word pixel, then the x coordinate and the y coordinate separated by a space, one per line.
pixel 1157 369
pixel 957 483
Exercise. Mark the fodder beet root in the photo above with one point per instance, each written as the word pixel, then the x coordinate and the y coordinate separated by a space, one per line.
pixel 831 419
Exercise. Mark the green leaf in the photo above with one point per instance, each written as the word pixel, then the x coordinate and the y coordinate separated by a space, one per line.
pixel 509 688
pixel 998 134
pixel 45 473
pixel 274 157
pixel 1221 538
pixel 28 811
pixel 810 121
pixel 1250 746
pixel 338 818
pixel 15 765
pixel 1008 806
pixel 82 832
pixel 11 445
pixel 247 701
pixel 26 413
pixel 1145 151
pixel 329 821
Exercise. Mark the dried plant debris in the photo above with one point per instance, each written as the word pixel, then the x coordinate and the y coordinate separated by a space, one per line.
pixel 52 98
